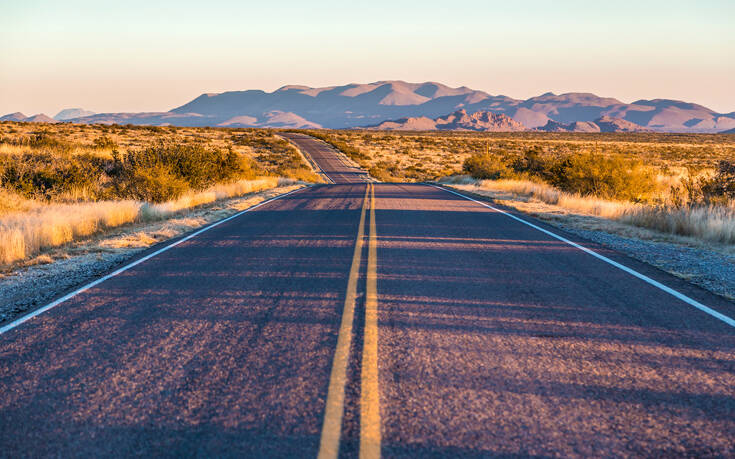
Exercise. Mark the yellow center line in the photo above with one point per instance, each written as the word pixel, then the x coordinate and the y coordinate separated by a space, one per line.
pixel 332 427
pixel 369 393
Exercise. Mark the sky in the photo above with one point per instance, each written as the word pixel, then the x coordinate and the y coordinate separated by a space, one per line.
pixel 154 56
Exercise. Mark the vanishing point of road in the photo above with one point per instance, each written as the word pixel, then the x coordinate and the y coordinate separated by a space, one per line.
pixel 365 319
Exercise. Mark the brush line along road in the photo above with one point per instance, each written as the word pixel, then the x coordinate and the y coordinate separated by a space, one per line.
pixel 367 319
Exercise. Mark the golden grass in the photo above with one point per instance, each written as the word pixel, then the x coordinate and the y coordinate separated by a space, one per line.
pixel 707 223
pixel 546 193
pixel 25 234
pixel 13 202
pixel 17 150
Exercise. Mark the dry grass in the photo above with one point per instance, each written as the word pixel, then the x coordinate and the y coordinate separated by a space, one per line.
pixel 714 223
pixel 706 223
pixel 25 234
pixel 546 193
pixel 421 156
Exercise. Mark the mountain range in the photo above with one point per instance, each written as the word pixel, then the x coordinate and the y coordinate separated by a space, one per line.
pixel 424 104
pixel 64 115
pixel 18 116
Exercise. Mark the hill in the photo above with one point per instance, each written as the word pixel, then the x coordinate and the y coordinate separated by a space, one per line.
pixel 40 118
pixel 457 121
pixel 20 117
pixel 602 124
pixel 17 116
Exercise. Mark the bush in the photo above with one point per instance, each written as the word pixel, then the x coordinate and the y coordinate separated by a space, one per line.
pixel 596 175
pixel 585 173
pixel 486 166
pixel 180 167
pixel 105 143
pixel 45 175
pixel 720 187
pixel 155 184
pixel 153 174
pixel 532 163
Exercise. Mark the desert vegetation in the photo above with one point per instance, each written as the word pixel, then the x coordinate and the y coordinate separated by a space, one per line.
pixel 676 183
pixel 698 203
pixel 423 156
pixel 59 183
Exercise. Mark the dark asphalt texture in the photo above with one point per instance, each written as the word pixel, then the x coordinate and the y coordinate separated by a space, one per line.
pixel 331 163
pixel 494 340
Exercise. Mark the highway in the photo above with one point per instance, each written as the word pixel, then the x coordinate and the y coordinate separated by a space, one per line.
pixel 366 319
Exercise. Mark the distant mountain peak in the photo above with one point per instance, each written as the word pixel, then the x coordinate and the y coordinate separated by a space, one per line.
pixel 17 116
pixel 71 113
pixel 40 118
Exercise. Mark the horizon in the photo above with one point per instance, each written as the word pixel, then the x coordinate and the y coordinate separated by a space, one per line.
pixel 56 112
pixel 138 57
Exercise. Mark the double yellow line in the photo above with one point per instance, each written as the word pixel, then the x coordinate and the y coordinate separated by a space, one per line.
pixel 369 394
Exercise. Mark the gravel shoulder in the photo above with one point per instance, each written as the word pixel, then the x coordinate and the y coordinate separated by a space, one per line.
pixel 61 270
pixel 707 265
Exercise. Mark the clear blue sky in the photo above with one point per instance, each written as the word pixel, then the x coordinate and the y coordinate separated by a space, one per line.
pixel 145 55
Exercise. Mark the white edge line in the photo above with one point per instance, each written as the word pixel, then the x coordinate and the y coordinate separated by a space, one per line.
pixel 643 277
pixel 76 292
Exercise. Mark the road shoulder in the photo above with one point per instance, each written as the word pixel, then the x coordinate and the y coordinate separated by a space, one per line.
pixel 690 261
pixel 69 267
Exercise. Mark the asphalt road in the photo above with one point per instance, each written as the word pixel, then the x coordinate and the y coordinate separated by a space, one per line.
pixel 367 319
pixel 332 164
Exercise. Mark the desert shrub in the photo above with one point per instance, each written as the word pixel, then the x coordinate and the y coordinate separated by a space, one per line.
pixel 486 166
pixel 44 175
pixel 157 183
pixel 165 171
pixel 605 177
pixel 40 140
pixel 720 187
pixel 584 173
pixel 533 163
pixel 386 171
pixel 105 143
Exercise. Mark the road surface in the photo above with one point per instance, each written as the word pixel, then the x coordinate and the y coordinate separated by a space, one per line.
pixel 365 319
pixel 332 164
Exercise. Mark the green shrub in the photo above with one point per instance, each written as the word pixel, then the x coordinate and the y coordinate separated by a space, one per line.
pixel 154 184
pixel 597 175
pixel 532 163
pixel 584 173
pixel 486 166
pixel 721 186
pixel 171 169
pixel 44 175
